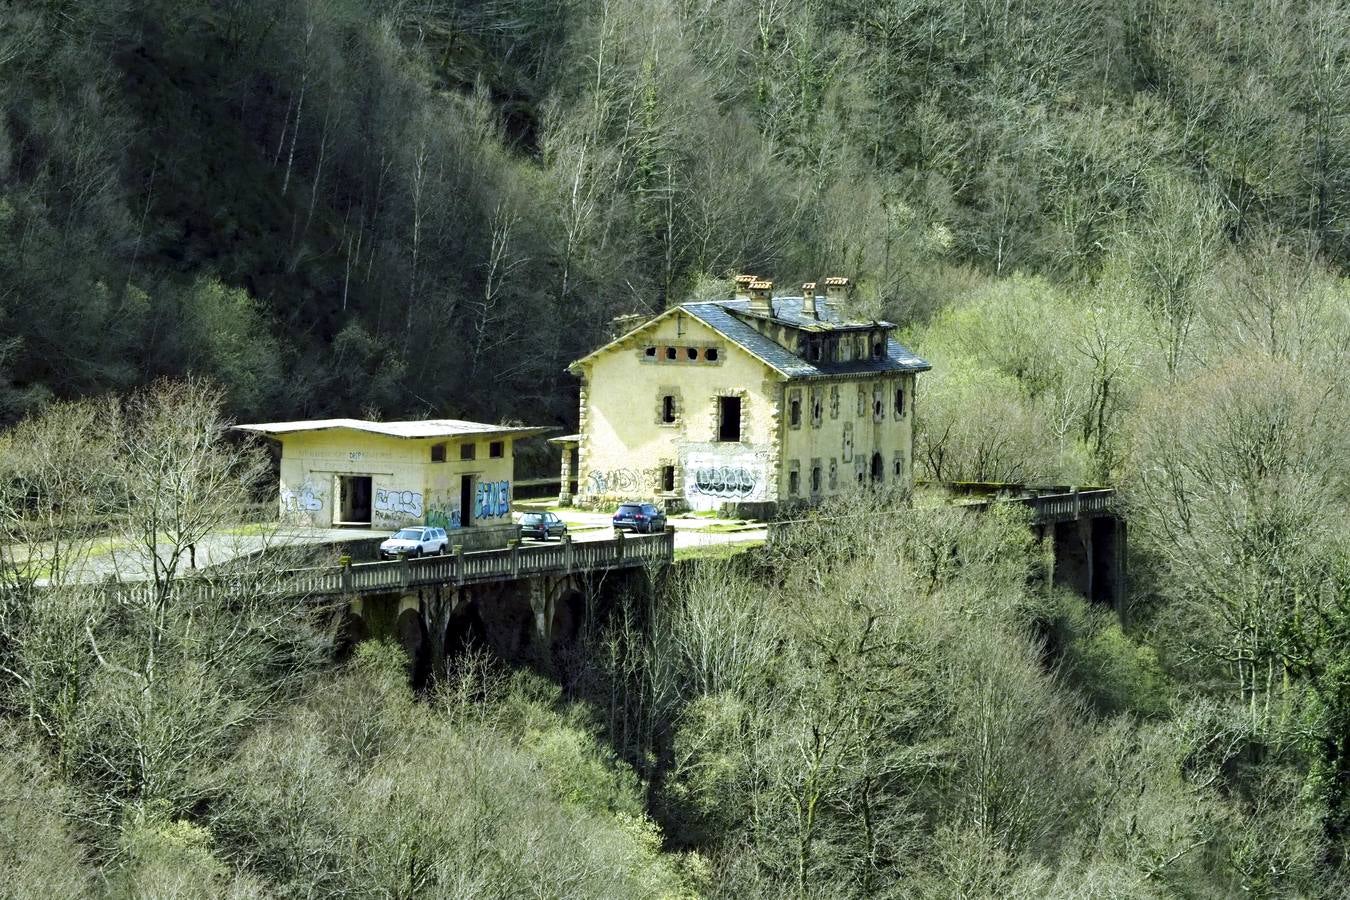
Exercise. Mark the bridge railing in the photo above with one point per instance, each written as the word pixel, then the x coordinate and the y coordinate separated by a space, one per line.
pixel 489 565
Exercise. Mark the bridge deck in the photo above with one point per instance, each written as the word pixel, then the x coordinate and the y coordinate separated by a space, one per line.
pixel 489 565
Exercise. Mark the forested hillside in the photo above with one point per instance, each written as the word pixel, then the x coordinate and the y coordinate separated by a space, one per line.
pixel 333 205
pixel 1119 230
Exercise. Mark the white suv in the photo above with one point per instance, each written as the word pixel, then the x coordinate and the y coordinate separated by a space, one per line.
pixel 416 541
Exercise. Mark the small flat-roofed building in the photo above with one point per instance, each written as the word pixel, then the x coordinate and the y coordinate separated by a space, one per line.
pixel 441 472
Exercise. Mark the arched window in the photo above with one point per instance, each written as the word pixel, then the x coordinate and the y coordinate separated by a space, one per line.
pixel 878 468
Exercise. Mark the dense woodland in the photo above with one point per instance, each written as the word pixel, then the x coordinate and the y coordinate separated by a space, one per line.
pixel 1120 232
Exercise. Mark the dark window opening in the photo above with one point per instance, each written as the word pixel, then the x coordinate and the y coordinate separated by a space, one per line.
pixel 651 352
pixel 668 478
pixel 795 417
pixel 878 468
pixel 691 352
pixel 497 449
pixel 667 408
pixel 900 401
pixel 468 451
pixel 710 354
pixel 793 482
pixel 813 349
pixel 815 479
pixel 899 466
pixel 670 353
pixel 877 409
pixel 729 419
pixel 816 411
pixel 438 452
pixel 878 349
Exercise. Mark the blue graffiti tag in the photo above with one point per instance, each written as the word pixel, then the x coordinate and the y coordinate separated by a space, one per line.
pixel 493 500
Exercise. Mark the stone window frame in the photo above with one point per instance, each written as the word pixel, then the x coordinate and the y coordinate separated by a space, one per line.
pixel 744 396
pixel 899 404
pixel 899 464
pixel 862 401
pixel 847 448
pixel 663 466
pixel 817 406
pixel 878 403
pixel 817 477
pixel 794 478
pixel 677 402
pixel 834 401
pixel 794 405
pixel 834 474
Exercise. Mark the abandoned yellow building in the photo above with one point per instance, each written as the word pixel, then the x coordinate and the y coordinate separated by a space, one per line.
pixel 441 472
pixel 750 402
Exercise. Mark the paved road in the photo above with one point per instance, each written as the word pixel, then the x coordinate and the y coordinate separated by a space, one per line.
pixel 689 533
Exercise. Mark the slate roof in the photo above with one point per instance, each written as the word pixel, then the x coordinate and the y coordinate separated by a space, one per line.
pixel 420 428
pixel 719 317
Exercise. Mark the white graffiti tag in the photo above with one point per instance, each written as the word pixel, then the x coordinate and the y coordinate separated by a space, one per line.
pixel 407 503
pixel 302 499
pixel 725 481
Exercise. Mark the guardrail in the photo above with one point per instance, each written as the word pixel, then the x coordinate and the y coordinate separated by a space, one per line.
pixel 461 568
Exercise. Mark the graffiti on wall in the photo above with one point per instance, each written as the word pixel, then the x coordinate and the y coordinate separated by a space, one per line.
pixel 304 499
pixel 732 482
pixel 446 516
pixel 714 477
pixel 493 500
pixel 405 503
pixel 621 481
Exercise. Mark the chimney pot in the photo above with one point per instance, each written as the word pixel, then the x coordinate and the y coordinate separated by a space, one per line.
pixel 809 301
pixel 837 288
pixel 761 293
pixel 743 286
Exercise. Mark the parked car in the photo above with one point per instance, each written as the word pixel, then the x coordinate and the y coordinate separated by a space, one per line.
pixel 639 517
pixel 542 526
pixel 415 541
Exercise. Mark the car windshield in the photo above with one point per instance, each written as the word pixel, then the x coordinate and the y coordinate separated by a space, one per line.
pixel 628 509
pixel 409 534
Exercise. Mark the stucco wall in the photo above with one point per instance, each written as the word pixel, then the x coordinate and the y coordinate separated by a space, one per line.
pixel 626 445
pixel 406 487
pixel 846 434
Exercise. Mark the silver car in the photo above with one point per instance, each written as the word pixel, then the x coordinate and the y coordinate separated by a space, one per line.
pixel 415 541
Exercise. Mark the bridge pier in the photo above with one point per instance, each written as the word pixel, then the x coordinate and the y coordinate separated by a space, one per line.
pixel 1088 558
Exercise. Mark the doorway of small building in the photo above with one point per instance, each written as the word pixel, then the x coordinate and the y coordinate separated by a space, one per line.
pixel 465 500
pixel 353 504
pixel 878 467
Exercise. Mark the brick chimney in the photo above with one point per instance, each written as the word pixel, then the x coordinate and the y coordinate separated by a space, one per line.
pixel 837 289
pixel 761 293
pixel 809 301
pixel 743 286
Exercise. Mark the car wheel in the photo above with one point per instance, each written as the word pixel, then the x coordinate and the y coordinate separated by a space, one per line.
pixel 415 554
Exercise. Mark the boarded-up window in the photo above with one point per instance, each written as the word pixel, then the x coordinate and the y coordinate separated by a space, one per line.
pixel 497 449
pixel 438 452
pixel 468 451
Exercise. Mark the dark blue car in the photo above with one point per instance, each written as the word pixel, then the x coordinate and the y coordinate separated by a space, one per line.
pixel 639 517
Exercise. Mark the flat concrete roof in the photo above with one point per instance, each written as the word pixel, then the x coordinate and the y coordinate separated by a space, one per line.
pixel 419 428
